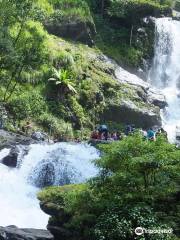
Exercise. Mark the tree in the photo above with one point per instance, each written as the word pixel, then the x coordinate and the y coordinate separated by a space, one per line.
pixel 22 41
pixel 31 53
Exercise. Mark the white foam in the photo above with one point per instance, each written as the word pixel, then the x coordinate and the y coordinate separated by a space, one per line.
pixel 165 73
pixel 18 203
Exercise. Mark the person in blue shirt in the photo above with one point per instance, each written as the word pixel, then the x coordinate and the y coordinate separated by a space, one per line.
pixel 151 135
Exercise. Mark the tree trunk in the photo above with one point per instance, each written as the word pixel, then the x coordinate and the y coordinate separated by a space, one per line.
pixel 102 7
pixel 15 84
pixel 131 35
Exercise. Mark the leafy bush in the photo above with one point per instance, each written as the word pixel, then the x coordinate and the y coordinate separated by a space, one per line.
pixel 29 104
pixel 56 126
pixel 136 9
pixel 68 10
pixel 121 224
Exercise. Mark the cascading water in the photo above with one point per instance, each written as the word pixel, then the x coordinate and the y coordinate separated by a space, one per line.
pixel 55 164
pixel 165 72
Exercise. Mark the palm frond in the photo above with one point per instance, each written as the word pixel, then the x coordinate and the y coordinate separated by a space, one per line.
pixel 71 88
pixel 52 79
pixel 56 73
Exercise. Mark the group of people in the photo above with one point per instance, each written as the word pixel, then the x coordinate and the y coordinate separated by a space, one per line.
pixel 103 134
pixel 151 134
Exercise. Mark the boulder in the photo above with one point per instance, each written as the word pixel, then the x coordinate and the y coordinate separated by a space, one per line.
pixel 43 175
pixel 14 233
pixel 74 30
pixel 11 159
pixel 156 97
pixel 128 113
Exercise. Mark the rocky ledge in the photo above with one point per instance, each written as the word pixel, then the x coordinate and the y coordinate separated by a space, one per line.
pixel 75 30
pixel 139 104
pixel 14 233
pixel 9 139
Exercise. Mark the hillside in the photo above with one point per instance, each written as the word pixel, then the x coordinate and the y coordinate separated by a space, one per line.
pixel 30 55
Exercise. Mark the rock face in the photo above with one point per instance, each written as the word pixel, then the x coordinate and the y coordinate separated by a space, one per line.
pixel 9 139
pixel 148 93
pixel 143 40
pixel 76 31
pixel 14 233
pixel 128 113
pixel 58 231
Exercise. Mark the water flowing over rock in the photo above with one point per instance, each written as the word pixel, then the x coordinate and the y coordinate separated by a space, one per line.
pixel 43 165
pixel 14 233
pixel 151 94
pixel 165 72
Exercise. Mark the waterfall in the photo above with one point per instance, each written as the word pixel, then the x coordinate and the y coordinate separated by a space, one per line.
pixel 165 72
pixel 44 165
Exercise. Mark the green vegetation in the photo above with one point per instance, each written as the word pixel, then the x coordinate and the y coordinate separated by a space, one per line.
pixel 117 29
pixel 136 9
pixel 65 88
pixel 138 185
pixel 70 10
pixel 84 87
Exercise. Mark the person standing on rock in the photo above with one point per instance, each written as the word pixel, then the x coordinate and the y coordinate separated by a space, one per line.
pixel 28 127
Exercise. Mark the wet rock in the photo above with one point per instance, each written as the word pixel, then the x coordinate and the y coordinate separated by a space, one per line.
pixel 9 139
pixel 145 90
pixel 11 159
pixel 14 233
pixel 156 98
pixel 43 175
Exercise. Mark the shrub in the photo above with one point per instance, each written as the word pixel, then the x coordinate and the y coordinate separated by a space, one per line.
pixel 56 126
pixel 27 105
pixel 68 10
pixel 121 224
pixel 132 10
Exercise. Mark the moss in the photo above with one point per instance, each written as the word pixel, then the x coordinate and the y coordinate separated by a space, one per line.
pixel 61 196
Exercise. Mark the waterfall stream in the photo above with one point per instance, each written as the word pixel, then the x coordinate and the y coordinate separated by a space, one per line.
pixel 56 164
pixel 165 72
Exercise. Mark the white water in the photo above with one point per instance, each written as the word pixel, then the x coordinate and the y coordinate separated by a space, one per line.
pixel 165 73
pixel 70 163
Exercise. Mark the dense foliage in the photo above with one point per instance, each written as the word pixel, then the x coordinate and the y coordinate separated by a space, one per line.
pixel 136 9
pixel 138 186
